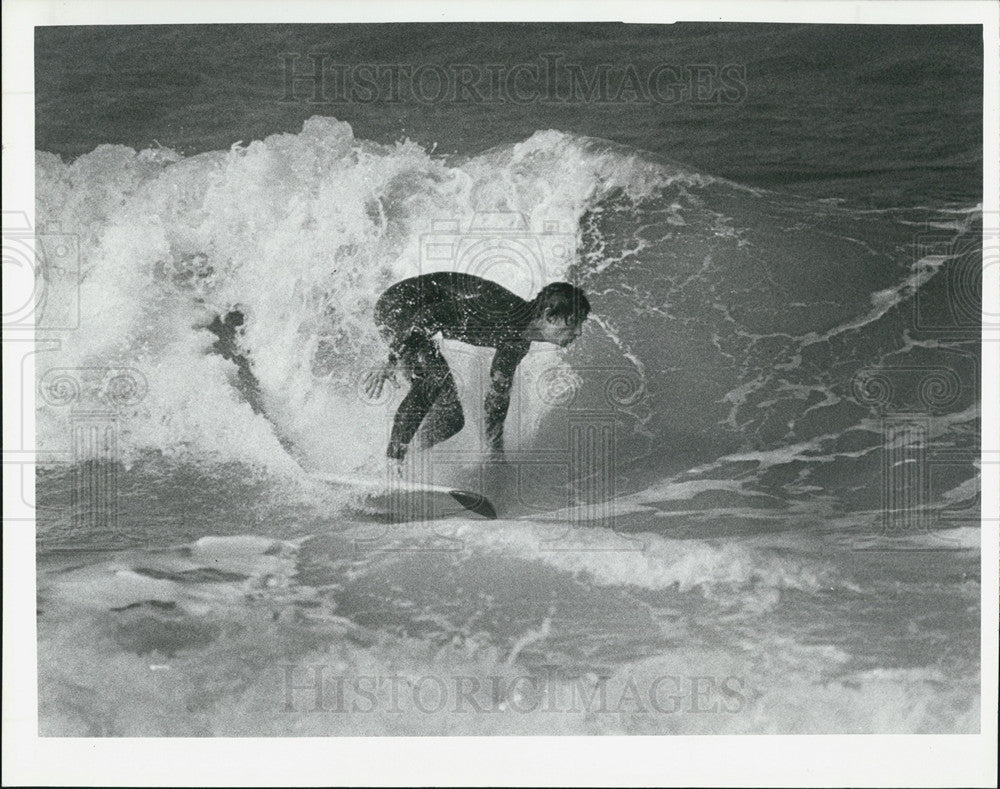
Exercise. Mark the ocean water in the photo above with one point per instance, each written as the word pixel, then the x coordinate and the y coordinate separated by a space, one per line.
pixel 746 500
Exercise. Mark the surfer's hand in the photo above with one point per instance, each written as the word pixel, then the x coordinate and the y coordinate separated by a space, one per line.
pixel 374 380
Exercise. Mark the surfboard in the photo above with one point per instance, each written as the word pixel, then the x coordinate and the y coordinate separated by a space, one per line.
pixel 474 502
pixel 249 388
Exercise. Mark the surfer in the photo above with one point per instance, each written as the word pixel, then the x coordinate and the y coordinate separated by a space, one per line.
pixel 475 311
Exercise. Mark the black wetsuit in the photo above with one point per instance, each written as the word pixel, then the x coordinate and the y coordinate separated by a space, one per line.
pixel 461 307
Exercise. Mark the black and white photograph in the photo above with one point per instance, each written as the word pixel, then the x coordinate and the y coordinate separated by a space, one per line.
pixel 436 376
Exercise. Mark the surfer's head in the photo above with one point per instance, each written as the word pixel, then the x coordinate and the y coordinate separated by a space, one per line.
pixel 559 311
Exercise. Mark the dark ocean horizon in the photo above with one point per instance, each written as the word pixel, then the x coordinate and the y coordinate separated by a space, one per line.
pixel 880 116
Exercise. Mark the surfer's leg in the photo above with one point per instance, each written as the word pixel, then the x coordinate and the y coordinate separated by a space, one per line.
pixel 445 418
pixel 431 383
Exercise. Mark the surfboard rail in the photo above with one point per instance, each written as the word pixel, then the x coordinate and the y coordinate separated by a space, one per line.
pixel 470 500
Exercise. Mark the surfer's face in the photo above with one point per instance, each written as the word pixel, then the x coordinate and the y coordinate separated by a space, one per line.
pixel 560 331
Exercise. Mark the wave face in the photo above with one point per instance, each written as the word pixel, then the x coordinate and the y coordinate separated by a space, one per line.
pixel 301 232
pixel 736 332
pixel 784 391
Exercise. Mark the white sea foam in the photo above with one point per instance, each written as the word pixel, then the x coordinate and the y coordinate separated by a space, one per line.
pixel 644 560
pixel 301 232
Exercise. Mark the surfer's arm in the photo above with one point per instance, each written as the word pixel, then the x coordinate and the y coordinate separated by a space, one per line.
pixel 374 380
pixel 505 362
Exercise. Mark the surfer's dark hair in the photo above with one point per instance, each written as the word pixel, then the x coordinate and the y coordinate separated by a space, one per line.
pixel 561 300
